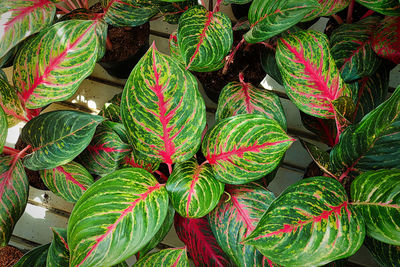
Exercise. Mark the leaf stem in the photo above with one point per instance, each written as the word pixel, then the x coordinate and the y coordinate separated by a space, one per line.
pixel 367 14
pixel 10 151
pixel 108 43
pixel 350 10
pixel 217 6
pixel 338 19
pixel 69 4
pixel 169 168
pixel 268 45
pixel 162 176
pixel 232 55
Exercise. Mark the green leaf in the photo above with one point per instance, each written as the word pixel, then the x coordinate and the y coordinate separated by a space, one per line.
pixel 10 103
pixel 324 129
pixel 57 137
pixel 239 2
pixel 175 257
pixel 269 17
pixel 385 7
pixel 173 11
pixel 68 181
pixel 269 65
pixel 351 49
pixel 372 143
pixel 111 112
pixel 245 147
pixel 174 48
pixel 34 258
pixel 204 38
pixel 376 194
pixel 14 190
pixel 137 160
pixel 58 253
pixel 385 40
pixel 319 156
pixel 42 77
pixel 344 112
pixel 3 129
pixel 116 217
pixel 21 18
pixel 243 98
pixel 236 216
pixel 310 76
pixel 327 8
pixel 193 190
pixel 384 254
pixel 162 110
pixel 310 224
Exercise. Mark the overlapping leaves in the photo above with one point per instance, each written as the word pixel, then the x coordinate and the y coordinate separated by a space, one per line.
pixel 10 103
pixel 386 7
pixel 328 7
pixel 176 257
pixel 386 255
pixel 37 257
pixel 386 39
pixel 3 129
pixel 58 253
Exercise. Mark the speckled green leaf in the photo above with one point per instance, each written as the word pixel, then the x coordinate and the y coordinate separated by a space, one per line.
pixel 270 17
pixel 344 108
pixel 176 257
pixel 324 129
pixel 372 143
pixel 138 160
pixel 236 216
pixel 376 194
pixel 243 98
pixel 310 76
pixel 3 75
pixel 319 156
pixel 310 224
pixel 10 103
pixel 68 181
pixel 111 112
pixel 34 258
pixel 50 66
pixel 386 39
pixel 116 217
pixel 269 65
pixel 384 254
pixel 204 38
pixel 171 12
pixel 22 18
pixel 3 129
pixel 57 137
pixel 386 7
pixel 193 190
pixel 245 147
pixel 162 110
pixel 328 7
pixel 351 49
pixel 14 189
pixel 58 253
pixel 174 49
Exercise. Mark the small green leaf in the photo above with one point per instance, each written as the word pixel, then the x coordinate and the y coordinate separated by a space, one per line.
pixel 58 253
pixel 35 258
pixel 175 257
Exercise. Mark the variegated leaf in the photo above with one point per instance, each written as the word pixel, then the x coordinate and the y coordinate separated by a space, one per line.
pixel 173 11
pixel 386 38
pixel 51 65
pixel 372 143
pixel 236 216
pixel 328 7
pixel 243 98
pixel 269 17
pixel 310 224
pixel 325 129
pixel 58 253
pixel 3 75
pixel 193 190
pixel 310 76
pixel 245 147
pixel 351 49
pixel 22 18
pixel 175 257
pixel 111 112
pixel 269 65
pixel 137 160
pixel 116 217
pixel 384 254
pixel 319 156
pixel 7 60
pixel 376 194
pixel 68 181
pixel 3 129
pixel 174 48
pixel 35 258
pixel 200 242
pixel 204 38
pixel 11 104
pixel 386 7
pixel 57 137
pixel 344 112
pixel 118 128
pixel 162 109
pixel 14 189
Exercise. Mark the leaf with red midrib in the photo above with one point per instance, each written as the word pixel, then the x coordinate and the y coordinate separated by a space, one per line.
pixel 386 39
pixel 328 7
pixel 58 254
pixel 173 257
pixel 200 242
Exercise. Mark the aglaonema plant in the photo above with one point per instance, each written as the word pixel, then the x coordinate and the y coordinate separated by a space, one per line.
pixel 149 161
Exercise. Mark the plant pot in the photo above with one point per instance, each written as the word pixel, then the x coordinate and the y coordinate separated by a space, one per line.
pixel 9 256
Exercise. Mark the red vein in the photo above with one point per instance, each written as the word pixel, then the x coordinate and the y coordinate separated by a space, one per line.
pixel 177 260
pixel 97 148
pixel 245 90
pixel 70 178
pixel 191 190
pixel 244 214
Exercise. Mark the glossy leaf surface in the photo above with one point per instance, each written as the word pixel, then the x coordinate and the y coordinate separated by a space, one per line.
pixel 14 189
pixel 176 257
pixel 10 103
pixel 236 216
pixel 376 194
pixel 325 129
pixel 386 39
pixel 310 223
pixel 22 18
pixel 204 38
pixel 34 258
pixel 42 77
pixel 193 190
pixel 310 76
pixel 384 254
pixel 116 217
pixel 58 253
pixel 243 98
pixel 328 7
pixel 245 147
pixel 386 7
pixel 57 137
pixel 3 129
pixel 68 181
pixel 136 160
pixel 269 17
pixel 162 110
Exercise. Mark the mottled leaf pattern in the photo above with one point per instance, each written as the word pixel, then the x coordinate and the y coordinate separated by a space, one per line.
pixel 386 255
pixel 200 242
pixel 173 11
pixel 310 76
pixel 386 7
pixel 193 190
pixel 376 194
pixel 175 257
pixel 236 216
pixel 386 39
pixel 34 258
pixel 269 17
pixel 325 129
pixel 58 253
pixel 68 181
pixel 51 65
pixel 351 49
pixel 319 156
pixel 116 217
pixel 311 223
pixel 328 7
pixel 10 103
pixel 13 196
pixel 111 112
pixel 245 147
pixel 162 110
pixel 3 129
pixel 57 137
pixel 243 98
pixel 344 112
pixel 137 160
pixel 22 18
pixel 174 49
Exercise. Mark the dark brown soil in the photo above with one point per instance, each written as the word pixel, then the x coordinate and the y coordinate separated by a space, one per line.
pixel 9 256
